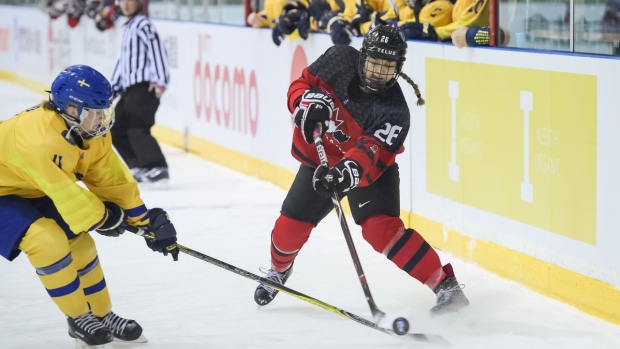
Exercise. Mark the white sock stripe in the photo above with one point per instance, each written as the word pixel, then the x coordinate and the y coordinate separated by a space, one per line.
pixel 392 242
pixel 281 251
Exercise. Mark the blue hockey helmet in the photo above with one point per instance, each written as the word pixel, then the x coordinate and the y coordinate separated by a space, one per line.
pixel 83 96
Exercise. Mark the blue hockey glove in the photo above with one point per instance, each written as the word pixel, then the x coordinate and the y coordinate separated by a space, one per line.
pixel 341 178
pixel 339 30
pixel 115 222
pixel 362 16
pixel 161 235
pixel 419 31
pixel 277 35
pixel 315 106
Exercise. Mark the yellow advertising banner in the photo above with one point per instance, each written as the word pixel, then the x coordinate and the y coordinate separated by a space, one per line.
pixel 520 143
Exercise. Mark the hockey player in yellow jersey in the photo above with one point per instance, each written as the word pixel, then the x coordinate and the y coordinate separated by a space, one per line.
pixel 44 151
pixel 433 24
pixel 437 13
pixel 359 17
pixel 301 17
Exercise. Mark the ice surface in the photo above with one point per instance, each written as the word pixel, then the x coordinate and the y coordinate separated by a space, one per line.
pixel 229 216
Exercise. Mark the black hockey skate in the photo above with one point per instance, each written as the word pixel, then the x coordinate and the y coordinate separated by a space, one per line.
pixel 152 175
pixel 450 296
pixel 123 329
pixel 265 294
pixel 88 330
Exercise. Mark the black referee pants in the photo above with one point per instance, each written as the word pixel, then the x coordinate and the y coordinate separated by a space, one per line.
pixel 131 132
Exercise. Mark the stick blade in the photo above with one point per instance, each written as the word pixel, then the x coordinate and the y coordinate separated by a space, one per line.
pixel 429 338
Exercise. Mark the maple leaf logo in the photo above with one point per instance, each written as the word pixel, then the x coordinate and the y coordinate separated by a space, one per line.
pixel 334 124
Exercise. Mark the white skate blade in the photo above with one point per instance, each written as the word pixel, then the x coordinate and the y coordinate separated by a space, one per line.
pixel 141 340
pixel 162 184
pixel 82 345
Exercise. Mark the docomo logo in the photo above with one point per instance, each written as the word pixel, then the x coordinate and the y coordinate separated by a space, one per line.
pixel 4 39
pixel 224 94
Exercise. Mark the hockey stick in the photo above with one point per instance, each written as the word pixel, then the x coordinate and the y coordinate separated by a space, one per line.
pixel 422 337
pixel 376 313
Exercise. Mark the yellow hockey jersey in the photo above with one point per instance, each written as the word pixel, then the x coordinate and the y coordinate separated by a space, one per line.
pixel 437 13
pixel 386 9
pixel 36 160
pixel 466 13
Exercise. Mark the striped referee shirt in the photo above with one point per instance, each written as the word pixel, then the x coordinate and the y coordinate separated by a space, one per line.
pixel 143 56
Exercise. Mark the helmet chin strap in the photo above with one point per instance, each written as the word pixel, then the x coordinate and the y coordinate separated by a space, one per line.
pixel 73 126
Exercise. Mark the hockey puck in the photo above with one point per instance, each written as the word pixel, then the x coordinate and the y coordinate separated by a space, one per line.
pixel 400 326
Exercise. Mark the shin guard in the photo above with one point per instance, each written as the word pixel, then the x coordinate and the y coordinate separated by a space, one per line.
pixel 48 251
pixel 287 238
pixel 93 283
pixel 404 247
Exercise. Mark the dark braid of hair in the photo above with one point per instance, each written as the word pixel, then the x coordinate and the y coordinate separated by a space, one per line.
pixel 415 88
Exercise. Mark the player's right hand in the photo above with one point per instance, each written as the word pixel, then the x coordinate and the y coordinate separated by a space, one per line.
pixel 341 178
pixel 316 106
pixel 162 236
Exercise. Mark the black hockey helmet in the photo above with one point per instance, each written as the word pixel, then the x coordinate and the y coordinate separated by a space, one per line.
pixel 382 46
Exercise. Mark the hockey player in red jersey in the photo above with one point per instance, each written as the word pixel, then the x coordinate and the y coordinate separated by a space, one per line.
pixel 366 118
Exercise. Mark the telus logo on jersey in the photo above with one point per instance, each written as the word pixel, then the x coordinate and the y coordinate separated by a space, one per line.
pixel 227 95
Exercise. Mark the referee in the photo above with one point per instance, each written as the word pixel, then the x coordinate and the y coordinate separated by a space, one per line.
pixel 140 77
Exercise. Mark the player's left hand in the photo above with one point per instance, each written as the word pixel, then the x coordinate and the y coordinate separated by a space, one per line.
pixel 159 90
pixel 341 178
pixel 115 222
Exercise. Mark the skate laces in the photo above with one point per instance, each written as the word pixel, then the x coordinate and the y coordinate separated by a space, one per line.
pixel 88 323
pixel 444 295
pixel 273 276
pixel 115 323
